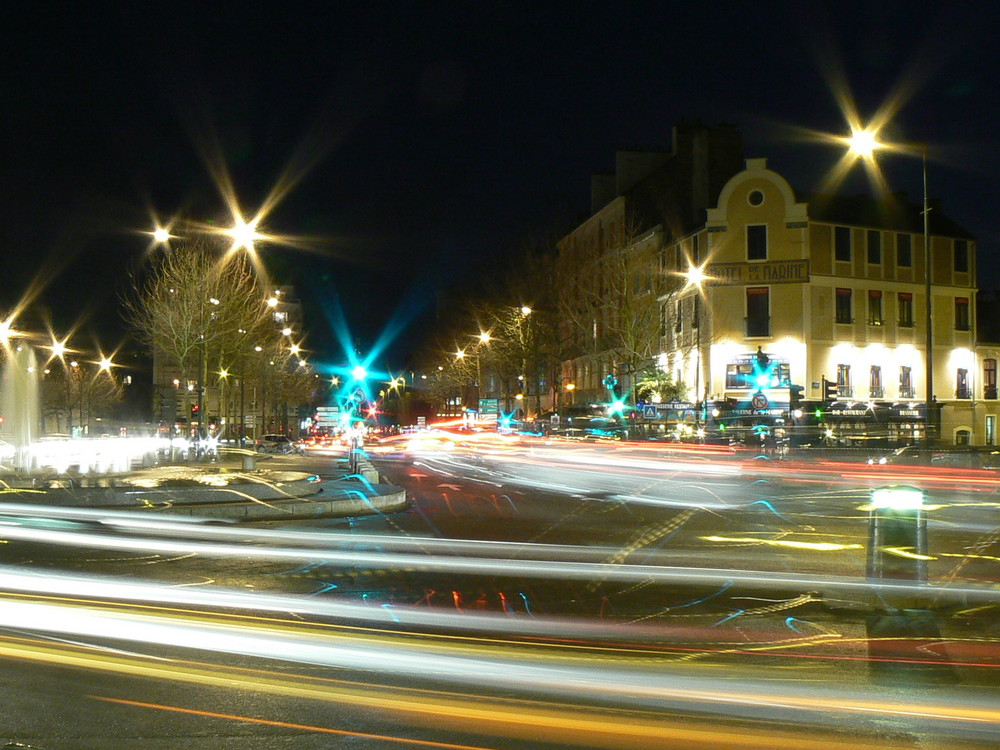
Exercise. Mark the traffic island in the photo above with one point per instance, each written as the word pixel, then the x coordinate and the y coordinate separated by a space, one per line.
pixel 221 493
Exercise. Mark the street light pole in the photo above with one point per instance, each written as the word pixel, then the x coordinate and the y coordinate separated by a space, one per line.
pixel 863 143
pixel 928 312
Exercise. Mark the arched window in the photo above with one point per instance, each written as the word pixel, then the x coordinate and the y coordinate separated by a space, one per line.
pixel 963 437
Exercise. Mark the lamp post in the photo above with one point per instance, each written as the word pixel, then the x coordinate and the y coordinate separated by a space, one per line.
pixel 696 277
pixel 864 143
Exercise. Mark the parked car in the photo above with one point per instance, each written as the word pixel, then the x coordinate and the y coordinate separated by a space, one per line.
pixel 279 444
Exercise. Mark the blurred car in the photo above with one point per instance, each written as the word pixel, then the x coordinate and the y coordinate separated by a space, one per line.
pixel 584 421
pixel 278 444
pixel 953 458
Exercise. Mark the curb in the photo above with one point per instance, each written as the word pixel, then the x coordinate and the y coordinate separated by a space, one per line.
pixel 329 503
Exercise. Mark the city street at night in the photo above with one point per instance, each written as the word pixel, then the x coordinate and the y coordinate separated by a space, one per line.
pixel 499 376
pixel 512 577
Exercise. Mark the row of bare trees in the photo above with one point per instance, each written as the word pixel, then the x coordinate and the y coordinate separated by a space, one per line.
pixel 599 304
pixel 207 315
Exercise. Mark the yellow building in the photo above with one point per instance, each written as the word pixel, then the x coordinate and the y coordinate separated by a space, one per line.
pixel 827 291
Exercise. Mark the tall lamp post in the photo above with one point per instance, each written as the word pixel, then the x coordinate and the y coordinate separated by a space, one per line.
pixel 696 278
pixel 864 143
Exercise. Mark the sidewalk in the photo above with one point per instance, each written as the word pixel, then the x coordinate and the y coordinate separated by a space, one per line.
pixel 225 490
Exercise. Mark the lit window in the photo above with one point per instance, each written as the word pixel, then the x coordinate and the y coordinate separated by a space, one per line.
pixel 962 384
pixel 989 378
pixel 844 388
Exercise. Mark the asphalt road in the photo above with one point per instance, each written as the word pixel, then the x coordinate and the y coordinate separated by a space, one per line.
pixel 596 537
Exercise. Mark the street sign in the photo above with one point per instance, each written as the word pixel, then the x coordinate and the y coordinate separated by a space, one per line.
pixel 649 411
pixel 759 401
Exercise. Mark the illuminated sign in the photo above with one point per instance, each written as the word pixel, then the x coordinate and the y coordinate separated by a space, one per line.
pixel 772 272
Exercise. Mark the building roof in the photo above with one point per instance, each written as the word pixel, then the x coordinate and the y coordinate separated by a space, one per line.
pixel 895 212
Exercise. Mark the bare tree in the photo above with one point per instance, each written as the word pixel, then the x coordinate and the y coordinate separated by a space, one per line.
pixel 200 311
pixel 608 305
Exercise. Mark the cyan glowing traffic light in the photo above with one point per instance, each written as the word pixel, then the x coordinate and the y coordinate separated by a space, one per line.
pixel 616 407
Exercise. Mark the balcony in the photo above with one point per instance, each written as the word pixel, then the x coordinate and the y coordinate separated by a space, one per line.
pixel 876 391
pixel 907 391
pixel 990 392
pixel 963 393
pixel 845 391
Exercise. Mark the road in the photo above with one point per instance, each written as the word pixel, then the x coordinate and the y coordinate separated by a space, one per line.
pixel 592 595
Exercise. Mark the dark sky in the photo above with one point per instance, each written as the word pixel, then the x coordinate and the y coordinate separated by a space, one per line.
pixel 431 138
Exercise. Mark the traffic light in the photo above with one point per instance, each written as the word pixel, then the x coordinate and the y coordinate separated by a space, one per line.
pixel 763 370
pixel 795 396
pixel 830 390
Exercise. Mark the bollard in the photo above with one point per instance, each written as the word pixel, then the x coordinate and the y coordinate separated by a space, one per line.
pixel 897 535
pixel 249 462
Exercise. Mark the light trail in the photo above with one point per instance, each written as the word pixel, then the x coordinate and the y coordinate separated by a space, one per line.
pixel 542 677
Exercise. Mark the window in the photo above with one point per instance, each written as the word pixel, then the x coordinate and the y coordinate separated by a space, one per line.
pixel 758 311
pixel 906 382
pixel 678 317
pixel 844 306
pixel 961 313
pixel 844 388
pixel 757 242
pixel 842 243
pixel 745 376
pixel 695 250
pixel 696 313
pixel 991 430
pixel 875 389
pixel 989 378
pixel 961 256
pixel 963 437
pixel 904 250
pixel 962 383
pixel 739 376
pixel 874 246
pixel 874 307
pixel 905 300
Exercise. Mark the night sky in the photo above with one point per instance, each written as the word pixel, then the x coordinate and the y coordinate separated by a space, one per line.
pixel 429 140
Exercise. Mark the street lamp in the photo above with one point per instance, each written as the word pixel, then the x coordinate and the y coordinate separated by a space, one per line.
pixel 863 143
pixel 697 277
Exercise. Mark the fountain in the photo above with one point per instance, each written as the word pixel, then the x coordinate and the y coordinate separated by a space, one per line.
pixel 100 473
pixel 20 407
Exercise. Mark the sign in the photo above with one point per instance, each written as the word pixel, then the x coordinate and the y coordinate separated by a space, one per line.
pixel 770 272
pixel 421 421
pixel 758 401
pixel 554 419
pixel 649 411
pixel 674 405
pixel 489 406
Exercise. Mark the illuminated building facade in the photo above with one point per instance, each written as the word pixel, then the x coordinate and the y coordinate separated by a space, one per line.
pixel 810 319
pixel 831 292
